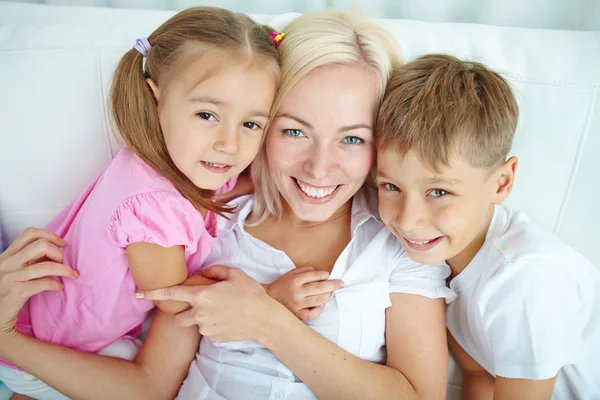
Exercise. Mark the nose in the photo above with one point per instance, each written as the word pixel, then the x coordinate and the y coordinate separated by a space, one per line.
pixel 319 161
pixel 228 140
pixel 412 214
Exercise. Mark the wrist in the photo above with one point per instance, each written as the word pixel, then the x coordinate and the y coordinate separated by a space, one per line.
pixel 9 343
pixel 275 325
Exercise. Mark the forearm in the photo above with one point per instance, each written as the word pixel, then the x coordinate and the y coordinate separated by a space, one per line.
pixel 175 307
pixel 479 386
pixel 79 375
pixel 328 370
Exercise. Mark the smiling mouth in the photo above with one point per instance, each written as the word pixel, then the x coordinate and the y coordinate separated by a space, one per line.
pixel 315 192
pixel 216 165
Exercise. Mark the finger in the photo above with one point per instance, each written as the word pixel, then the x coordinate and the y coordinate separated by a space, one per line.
pixel 187 318
pixel 311 276
pixel 217 272
pixel 45 269
pixel 314 301
pixel 36 286
pixel 30 235
pixel 39 249
pixel 177 293
pixel 300 270
pixel 315 288
pixel 308 314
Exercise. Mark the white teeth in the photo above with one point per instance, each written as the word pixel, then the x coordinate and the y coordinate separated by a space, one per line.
pixel 215 165
pixel 314 192
pixel 426 241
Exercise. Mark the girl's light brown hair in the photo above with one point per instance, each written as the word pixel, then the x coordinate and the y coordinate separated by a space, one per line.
pixel 132 103
pixel 441 107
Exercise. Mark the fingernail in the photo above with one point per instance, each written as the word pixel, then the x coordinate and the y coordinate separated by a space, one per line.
pixel 139 295
pixel 341 284
pixel 75 274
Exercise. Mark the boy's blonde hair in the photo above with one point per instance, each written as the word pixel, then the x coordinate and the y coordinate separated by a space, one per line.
pixel 313 40
pixel 441 106
pixel 184 36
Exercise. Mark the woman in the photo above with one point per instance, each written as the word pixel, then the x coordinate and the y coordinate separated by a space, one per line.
pixel 309 210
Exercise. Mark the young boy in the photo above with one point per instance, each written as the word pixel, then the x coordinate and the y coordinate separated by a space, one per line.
pixel 526 322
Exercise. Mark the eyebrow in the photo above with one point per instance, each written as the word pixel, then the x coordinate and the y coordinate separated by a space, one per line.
pixel 206 99
pixel 309 126
pixel 216 102
pixel 435 180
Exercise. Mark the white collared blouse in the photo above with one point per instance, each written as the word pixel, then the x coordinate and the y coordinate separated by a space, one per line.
pixel 372 266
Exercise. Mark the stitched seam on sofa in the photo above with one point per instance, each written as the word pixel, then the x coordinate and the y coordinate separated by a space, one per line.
pixel 577 159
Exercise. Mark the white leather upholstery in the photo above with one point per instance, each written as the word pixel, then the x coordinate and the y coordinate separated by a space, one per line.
pixel 56 63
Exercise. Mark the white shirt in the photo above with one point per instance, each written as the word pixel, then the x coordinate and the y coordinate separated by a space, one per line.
pixel 371 266
pixel 529 305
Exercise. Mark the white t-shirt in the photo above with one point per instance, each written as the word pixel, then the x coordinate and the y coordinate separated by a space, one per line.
pixel 371 266
pixel 528 306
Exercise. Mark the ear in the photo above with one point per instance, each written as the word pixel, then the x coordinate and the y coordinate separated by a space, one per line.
pixel 505 178
pixel 154 88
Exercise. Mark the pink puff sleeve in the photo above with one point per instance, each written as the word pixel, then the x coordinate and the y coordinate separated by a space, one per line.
pixel 161 218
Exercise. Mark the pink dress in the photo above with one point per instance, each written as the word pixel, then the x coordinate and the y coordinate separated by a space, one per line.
pixel 127 203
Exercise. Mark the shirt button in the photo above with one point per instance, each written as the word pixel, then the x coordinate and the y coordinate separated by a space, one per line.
pixel 278 396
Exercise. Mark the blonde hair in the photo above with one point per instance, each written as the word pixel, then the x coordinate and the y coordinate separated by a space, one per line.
pixel 314 40
pixel 133 106
pixel 440 106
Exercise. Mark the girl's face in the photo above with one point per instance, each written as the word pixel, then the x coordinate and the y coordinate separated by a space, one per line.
pixel 213 114
pixel 320 144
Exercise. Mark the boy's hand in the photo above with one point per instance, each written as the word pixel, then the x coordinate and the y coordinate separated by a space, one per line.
pixel 304 291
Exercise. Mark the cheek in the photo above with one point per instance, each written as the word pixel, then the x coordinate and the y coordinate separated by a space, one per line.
pixel 358 165
pixel 387 209
pixel 283 155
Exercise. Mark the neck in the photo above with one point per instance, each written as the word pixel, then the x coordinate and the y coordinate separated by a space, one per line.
pixel 460 261
pixel 291 220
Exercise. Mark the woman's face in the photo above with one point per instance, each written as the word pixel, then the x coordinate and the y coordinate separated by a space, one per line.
pixel 320 145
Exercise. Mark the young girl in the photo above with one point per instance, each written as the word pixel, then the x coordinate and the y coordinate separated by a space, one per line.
pixel 191 103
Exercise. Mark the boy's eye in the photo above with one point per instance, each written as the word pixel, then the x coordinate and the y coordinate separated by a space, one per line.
pixel 353 140
pixel 206 116
pixel 293 132
pixel 251 125
pixel 438 193
pixel 391 187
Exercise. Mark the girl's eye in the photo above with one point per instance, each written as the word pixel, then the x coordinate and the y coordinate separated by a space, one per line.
pixel 438 193
pixel 251 125
pixel 293 132
pixel 353 140
pixel 206 116
pixel 391 187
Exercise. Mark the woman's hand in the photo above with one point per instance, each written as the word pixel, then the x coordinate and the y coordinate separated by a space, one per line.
pixel 25 270
pixel 235 309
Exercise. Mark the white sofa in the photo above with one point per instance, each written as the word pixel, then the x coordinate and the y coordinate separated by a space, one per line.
pixel 56 64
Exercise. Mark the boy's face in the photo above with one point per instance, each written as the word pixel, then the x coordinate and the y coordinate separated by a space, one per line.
pixel 439 216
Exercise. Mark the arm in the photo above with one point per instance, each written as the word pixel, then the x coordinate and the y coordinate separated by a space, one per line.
pixel 27 268
pixel 508 389
pixel 157 372
pixel 478 384
pixel 417 349
pixel 153 267
pixel 417 355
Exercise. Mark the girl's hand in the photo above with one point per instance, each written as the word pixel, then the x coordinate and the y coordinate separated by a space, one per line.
pixel 25 268
pixel 235 309
pixel 304 291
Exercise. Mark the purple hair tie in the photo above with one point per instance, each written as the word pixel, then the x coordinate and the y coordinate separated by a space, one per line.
pixel 142 45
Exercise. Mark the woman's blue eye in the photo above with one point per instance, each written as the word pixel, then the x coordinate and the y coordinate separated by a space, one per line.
pixel 293 132
pixel 251 125
pixel 206 116
pixel 353 140
pixel 438 193
pixel 391 187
